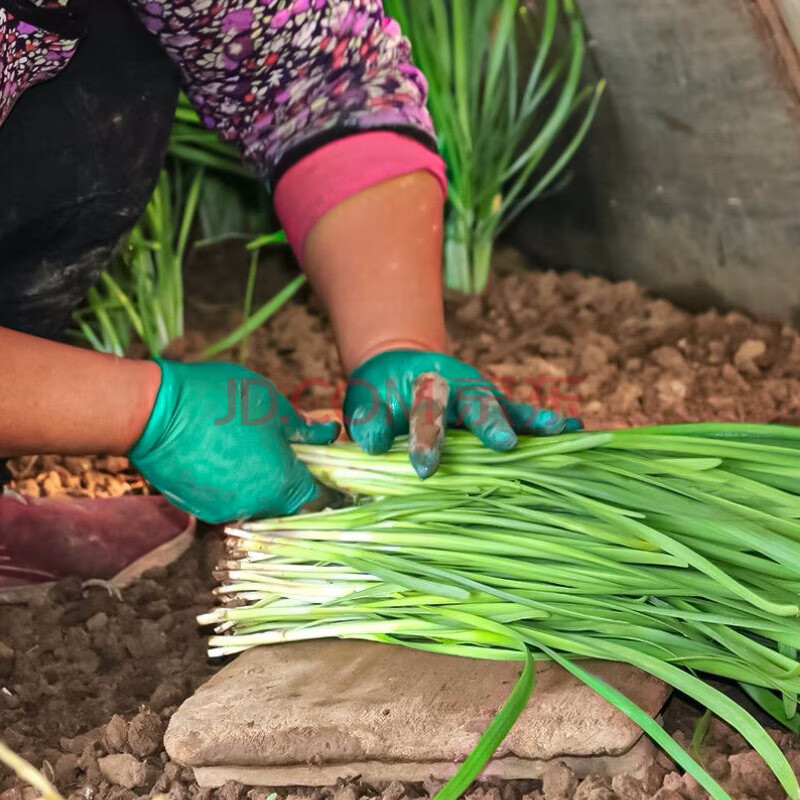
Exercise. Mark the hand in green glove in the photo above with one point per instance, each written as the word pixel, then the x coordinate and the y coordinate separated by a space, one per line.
pixel 217 444
pixel 421 393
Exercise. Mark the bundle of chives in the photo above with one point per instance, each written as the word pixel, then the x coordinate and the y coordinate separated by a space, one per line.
pixel 675 549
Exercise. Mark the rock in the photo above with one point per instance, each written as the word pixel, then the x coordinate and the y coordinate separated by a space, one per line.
pixel 145 734
pixel 746 355
pixel 122 769
pixel 115 735
pixel 407 710
pixel 559 782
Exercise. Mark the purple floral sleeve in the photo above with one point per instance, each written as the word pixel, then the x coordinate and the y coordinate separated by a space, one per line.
pixel 277 76
pixel 28 55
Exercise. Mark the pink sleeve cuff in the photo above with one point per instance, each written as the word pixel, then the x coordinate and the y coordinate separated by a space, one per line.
pixel 343 168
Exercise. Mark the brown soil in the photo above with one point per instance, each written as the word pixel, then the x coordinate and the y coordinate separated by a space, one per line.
pixel 632 359
pixel 75 476
pixel 88 681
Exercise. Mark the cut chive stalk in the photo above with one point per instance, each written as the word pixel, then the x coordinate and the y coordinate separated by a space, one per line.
pixel 673 549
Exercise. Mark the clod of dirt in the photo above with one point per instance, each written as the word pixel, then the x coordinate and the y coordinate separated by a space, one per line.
pixel 489 793
pixel 166 694
pixel 122 769
pixel 432 786
pixel 115 735
pixel 559 782
pixel 394 791
pixel 97 622
pixel 145 734
pixel 19 793
pixel 595 788
pixel 748 354
pixel 231 791
pixel 626 787
pixel 65 769
pixel 668 794
pixel 685 785
pixel 751 776
pixel 347 792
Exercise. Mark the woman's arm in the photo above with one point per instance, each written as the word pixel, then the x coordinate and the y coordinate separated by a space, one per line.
pixel 183 425
pixel 375 260
pixel 323 99
pixel 60 399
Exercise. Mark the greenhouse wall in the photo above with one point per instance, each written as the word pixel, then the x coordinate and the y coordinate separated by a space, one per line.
pixel 690 180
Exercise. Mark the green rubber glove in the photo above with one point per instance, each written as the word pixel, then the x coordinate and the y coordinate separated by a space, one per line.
pixel 211 459
pixel 382 392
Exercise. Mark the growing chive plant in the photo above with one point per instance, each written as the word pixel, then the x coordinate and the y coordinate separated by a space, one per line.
pixel 201 196
pixel 142 295
pixel 675 549
pixel 507 138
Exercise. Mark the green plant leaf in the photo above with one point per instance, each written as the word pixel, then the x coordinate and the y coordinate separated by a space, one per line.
pixel 493 736
pixel 257 319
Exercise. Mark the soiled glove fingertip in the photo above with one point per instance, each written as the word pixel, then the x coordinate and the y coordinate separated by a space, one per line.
pixel 549 423
pixel 573 425
pixel 502 439
pixel 319 433
pixel 424 462
pixel 374 441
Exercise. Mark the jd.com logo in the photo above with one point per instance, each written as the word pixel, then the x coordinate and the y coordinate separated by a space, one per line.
pixel 258 401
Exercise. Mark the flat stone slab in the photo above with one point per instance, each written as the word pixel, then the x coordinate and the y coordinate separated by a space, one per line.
pixel 308 713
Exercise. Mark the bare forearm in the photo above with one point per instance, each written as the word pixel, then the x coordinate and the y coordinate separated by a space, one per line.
pixel 375 260
pixel 60 399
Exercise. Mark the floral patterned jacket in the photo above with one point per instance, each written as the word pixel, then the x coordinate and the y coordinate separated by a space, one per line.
pixel 276 77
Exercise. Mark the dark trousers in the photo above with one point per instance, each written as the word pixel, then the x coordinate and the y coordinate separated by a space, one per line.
pixel 79 158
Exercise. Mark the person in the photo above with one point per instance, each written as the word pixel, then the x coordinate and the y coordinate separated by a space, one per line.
pixel 321 97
